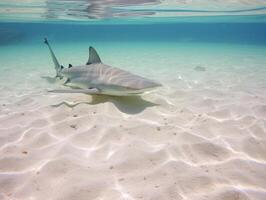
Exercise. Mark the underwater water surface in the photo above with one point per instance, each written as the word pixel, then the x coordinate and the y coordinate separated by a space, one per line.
pixel 202 135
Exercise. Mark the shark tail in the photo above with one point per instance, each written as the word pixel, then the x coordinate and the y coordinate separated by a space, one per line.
pixel 57 66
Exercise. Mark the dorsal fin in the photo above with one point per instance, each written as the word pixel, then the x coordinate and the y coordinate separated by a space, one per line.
pixel 93 57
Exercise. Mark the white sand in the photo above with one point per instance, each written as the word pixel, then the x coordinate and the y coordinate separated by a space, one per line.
pixel 201 136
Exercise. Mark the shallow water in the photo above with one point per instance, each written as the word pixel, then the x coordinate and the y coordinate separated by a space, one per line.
pixel 202 135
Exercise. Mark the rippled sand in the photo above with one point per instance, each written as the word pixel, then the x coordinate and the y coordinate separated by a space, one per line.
pixel 201 136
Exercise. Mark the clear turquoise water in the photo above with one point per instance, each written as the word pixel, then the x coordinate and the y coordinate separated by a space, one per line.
pixel 154 39
pixel 199 136
pixel 144 32
pixel 162 41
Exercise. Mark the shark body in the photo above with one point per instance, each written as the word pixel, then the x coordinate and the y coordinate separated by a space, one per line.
pixel 96 77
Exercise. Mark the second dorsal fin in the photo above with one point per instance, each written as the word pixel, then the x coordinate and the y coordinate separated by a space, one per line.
pixel 93 57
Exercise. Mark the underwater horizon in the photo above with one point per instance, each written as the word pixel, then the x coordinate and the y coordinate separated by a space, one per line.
pixel 143 20
pixel 201 135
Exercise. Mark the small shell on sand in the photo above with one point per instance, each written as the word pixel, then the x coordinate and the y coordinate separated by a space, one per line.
pixel 200 68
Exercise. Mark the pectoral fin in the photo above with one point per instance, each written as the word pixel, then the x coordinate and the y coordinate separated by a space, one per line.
pixel 67 81
pixel 84 91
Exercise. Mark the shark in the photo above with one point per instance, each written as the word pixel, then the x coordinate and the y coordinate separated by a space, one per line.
pixel 97 78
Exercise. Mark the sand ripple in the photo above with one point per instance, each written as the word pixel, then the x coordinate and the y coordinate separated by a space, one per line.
pixel 199 137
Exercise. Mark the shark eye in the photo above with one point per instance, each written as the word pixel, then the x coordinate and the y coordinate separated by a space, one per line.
pixel 69 66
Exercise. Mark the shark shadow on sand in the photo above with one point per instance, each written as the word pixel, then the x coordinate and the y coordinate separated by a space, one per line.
pixel 126 104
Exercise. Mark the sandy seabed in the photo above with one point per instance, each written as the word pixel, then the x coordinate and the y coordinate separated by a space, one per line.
pixel 200 136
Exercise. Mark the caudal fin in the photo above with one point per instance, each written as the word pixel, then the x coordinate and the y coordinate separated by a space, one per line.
pixel 57 66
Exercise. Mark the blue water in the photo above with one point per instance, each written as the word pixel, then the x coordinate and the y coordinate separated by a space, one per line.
pixel 143 20
pixel 245 33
